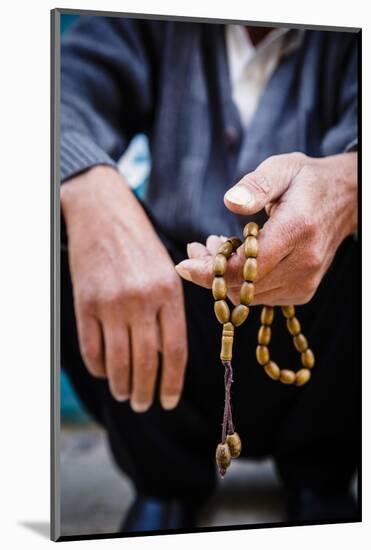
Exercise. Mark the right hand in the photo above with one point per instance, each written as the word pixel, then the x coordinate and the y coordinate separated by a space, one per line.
pixel 128 298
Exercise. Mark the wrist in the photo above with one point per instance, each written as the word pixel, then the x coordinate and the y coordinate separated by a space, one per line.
pixel 77 191
pixel 351 181
pixel 99 201
pixel 341 172
pixel 344 167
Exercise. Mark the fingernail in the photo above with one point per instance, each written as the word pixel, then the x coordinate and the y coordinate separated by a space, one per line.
pixel 169 402
pixel 239 194
pixel 183 272
pixel 139 406
pixel 122 397
pixel 190 248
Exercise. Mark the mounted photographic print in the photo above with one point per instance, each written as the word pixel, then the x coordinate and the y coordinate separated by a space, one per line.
pixel 206 369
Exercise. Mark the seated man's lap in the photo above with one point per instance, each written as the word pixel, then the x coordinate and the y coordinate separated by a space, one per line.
pixel 265 412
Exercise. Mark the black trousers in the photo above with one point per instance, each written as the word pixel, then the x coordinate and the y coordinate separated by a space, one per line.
pixel 313 432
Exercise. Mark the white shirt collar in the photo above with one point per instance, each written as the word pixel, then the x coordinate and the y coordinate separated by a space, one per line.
pixel 251 66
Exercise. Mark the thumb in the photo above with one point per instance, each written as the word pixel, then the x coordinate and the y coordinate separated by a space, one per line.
pixel 263 186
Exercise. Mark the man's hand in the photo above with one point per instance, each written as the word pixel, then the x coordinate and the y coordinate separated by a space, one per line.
pixel 312 204
pixel 128 299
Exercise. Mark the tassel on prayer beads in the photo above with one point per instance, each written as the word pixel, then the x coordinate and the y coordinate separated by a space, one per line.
pixel 230 446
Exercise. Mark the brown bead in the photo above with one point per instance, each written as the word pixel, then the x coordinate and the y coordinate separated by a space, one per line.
pixel 247 293
pixel 293 326
pixel 234 444
pixel 267 315
pixel 262 355
pixel 307 359
pixel 287 376
pixel 219 288
pixel 288 311
pixel 227 342
pixel 223 457
pixel 273 370
pixel 219 265
pixel 251 247
pixel 302 377
pixel 251 228
pixel 239 315
pixel 235 241
pixel 250 269
pixel 300 342
pixel 221 310
pixel 264 335
pixel 226 249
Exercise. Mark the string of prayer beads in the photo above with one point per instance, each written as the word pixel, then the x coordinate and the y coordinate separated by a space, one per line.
pixel 230 446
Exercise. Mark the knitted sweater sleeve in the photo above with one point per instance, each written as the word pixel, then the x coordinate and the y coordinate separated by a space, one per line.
pixel 343 135
pixel 108 73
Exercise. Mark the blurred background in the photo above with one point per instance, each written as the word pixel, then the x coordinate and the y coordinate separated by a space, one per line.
pixel 95 494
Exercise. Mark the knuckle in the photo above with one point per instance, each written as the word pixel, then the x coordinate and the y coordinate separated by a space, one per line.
pixel 304 299
pixel 112 297
pixel 286 234
pixel 133 292
pixel 169 284
pixel 119 354
pixel 147 361
pixel 306 227
pixel 298 156
pixel 271 161
pixel 149 291
pixel 94 301
pixel 147 365
pixel 177 355
pixel 258 182
pixel 277 161
pixel 118 364
pixel 89 350
pixel 115 371
pixel 308 171
pixel 128 297
pixel 102 297
pixel 118 384
pixel 308 290
pixel 87 301
pixel 314 259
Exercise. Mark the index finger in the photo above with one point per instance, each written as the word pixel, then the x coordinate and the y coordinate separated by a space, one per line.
pixel 200 270
pixel 275 243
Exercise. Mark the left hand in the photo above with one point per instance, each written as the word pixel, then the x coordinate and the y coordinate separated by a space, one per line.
pixel 312 208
